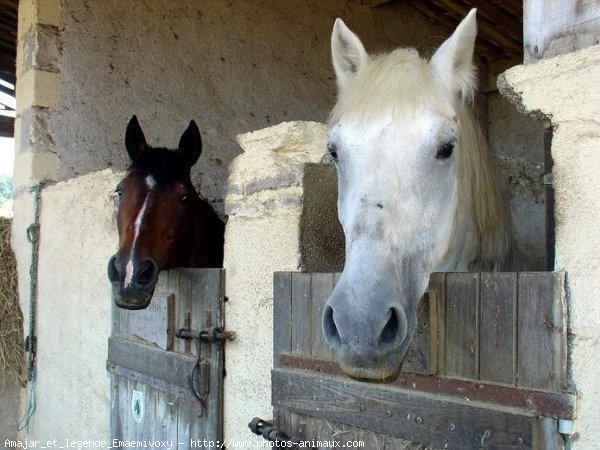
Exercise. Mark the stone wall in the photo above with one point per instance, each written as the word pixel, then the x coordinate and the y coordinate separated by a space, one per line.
pixel 564 90
pixel 232 66
pixel 264 204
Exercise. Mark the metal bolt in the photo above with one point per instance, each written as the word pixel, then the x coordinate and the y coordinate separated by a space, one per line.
pixel 452 427
pixel 418 419
pixel 362 407
pixel 529 403
pixel 389 413
pixel 314 397
pixel 519 441
pixel 337 402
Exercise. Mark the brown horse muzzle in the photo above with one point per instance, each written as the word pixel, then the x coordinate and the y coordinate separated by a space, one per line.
pixel 138 291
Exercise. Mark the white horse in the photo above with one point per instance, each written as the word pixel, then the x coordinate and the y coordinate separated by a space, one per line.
pixel 417 192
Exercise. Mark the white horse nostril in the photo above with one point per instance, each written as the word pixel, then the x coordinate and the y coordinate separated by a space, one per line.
pixel 330 329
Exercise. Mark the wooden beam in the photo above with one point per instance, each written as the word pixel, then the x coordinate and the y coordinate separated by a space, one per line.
pixel 7 126
pixel 539 403
pixel 513 25
pixel 435 420
pixel 438 15
pixel 487 28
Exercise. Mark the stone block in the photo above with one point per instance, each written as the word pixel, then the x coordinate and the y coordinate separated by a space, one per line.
pixel 38 88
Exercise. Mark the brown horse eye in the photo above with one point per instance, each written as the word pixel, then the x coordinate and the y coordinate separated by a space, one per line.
pixel 184 199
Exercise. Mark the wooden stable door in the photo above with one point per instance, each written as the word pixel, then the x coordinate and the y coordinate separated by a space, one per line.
pixel 486 368
pixel 150 367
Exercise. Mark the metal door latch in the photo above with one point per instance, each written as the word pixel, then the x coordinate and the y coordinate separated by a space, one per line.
pixel 213 334
pixel 265 429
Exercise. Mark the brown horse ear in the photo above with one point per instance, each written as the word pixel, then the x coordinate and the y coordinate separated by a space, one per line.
pixel 190 144
pixel 135 142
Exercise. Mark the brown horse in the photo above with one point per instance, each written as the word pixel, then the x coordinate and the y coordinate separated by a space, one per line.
pixel 162 222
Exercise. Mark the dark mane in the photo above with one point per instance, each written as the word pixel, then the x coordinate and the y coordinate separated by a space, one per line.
pixel 163 164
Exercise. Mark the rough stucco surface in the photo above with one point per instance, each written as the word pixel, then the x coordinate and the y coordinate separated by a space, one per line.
pixel 262 236
pixel 564 88
pixel 518 143
pixel 232 66
pixel 78 235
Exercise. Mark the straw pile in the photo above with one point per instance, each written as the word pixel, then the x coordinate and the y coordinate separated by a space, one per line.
pixel 11 319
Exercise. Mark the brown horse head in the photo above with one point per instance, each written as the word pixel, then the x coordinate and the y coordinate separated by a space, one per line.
pixel 162 222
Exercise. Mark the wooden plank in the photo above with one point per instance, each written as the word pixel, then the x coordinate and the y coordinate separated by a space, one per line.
pixel 184 419
pixel 184 313
pixel 421 356
pixel 167 366
pixel 461 353
pixel 437 290
pixel 542 331
pixel 435 420
pixel 116 319
pixel 282 314
pixel 553 28
pixel 302 328
pixel 535 402
pixel 166 417
pixel 115 422
pixel 321 287
pixel 125 407
pixel 181 305
pixel 324 430
pixel 155 324
pixel 497 328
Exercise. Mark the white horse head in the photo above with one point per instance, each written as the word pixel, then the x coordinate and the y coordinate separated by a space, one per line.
pixel 416 191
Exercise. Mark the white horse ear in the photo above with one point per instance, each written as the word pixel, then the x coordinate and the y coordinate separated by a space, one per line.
pixel 347 52
pixel 453 61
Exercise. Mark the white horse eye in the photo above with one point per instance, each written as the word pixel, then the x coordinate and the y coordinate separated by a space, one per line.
pixel 119 191
pixel 332 149
pixel 445 151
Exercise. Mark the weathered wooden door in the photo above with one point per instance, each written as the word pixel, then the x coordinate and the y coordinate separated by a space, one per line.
pixel 486 369
pixel 150 367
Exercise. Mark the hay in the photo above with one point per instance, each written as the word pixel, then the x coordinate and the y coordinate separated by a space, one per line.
pixel 11 320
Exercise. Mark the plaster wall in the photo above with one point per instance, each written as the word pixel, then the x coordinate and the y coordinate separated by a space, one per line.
pixel 232 66
pixel 73 312
pixel 564 90
pixel 264 204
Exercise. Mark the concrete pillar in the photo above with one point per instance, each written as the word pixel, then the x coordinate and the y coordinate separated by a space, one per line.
pixel 565 90
pixel 264 204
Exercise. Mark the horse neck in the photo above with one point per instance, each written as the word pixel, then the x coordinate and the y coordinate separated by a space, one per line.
pixel 207 237
pixel 483 231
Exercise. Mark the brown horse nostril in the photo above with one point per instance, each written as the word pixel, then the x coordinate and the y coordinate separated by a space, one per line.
pixel 332 335
pixel 146 273
pixel 114 269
